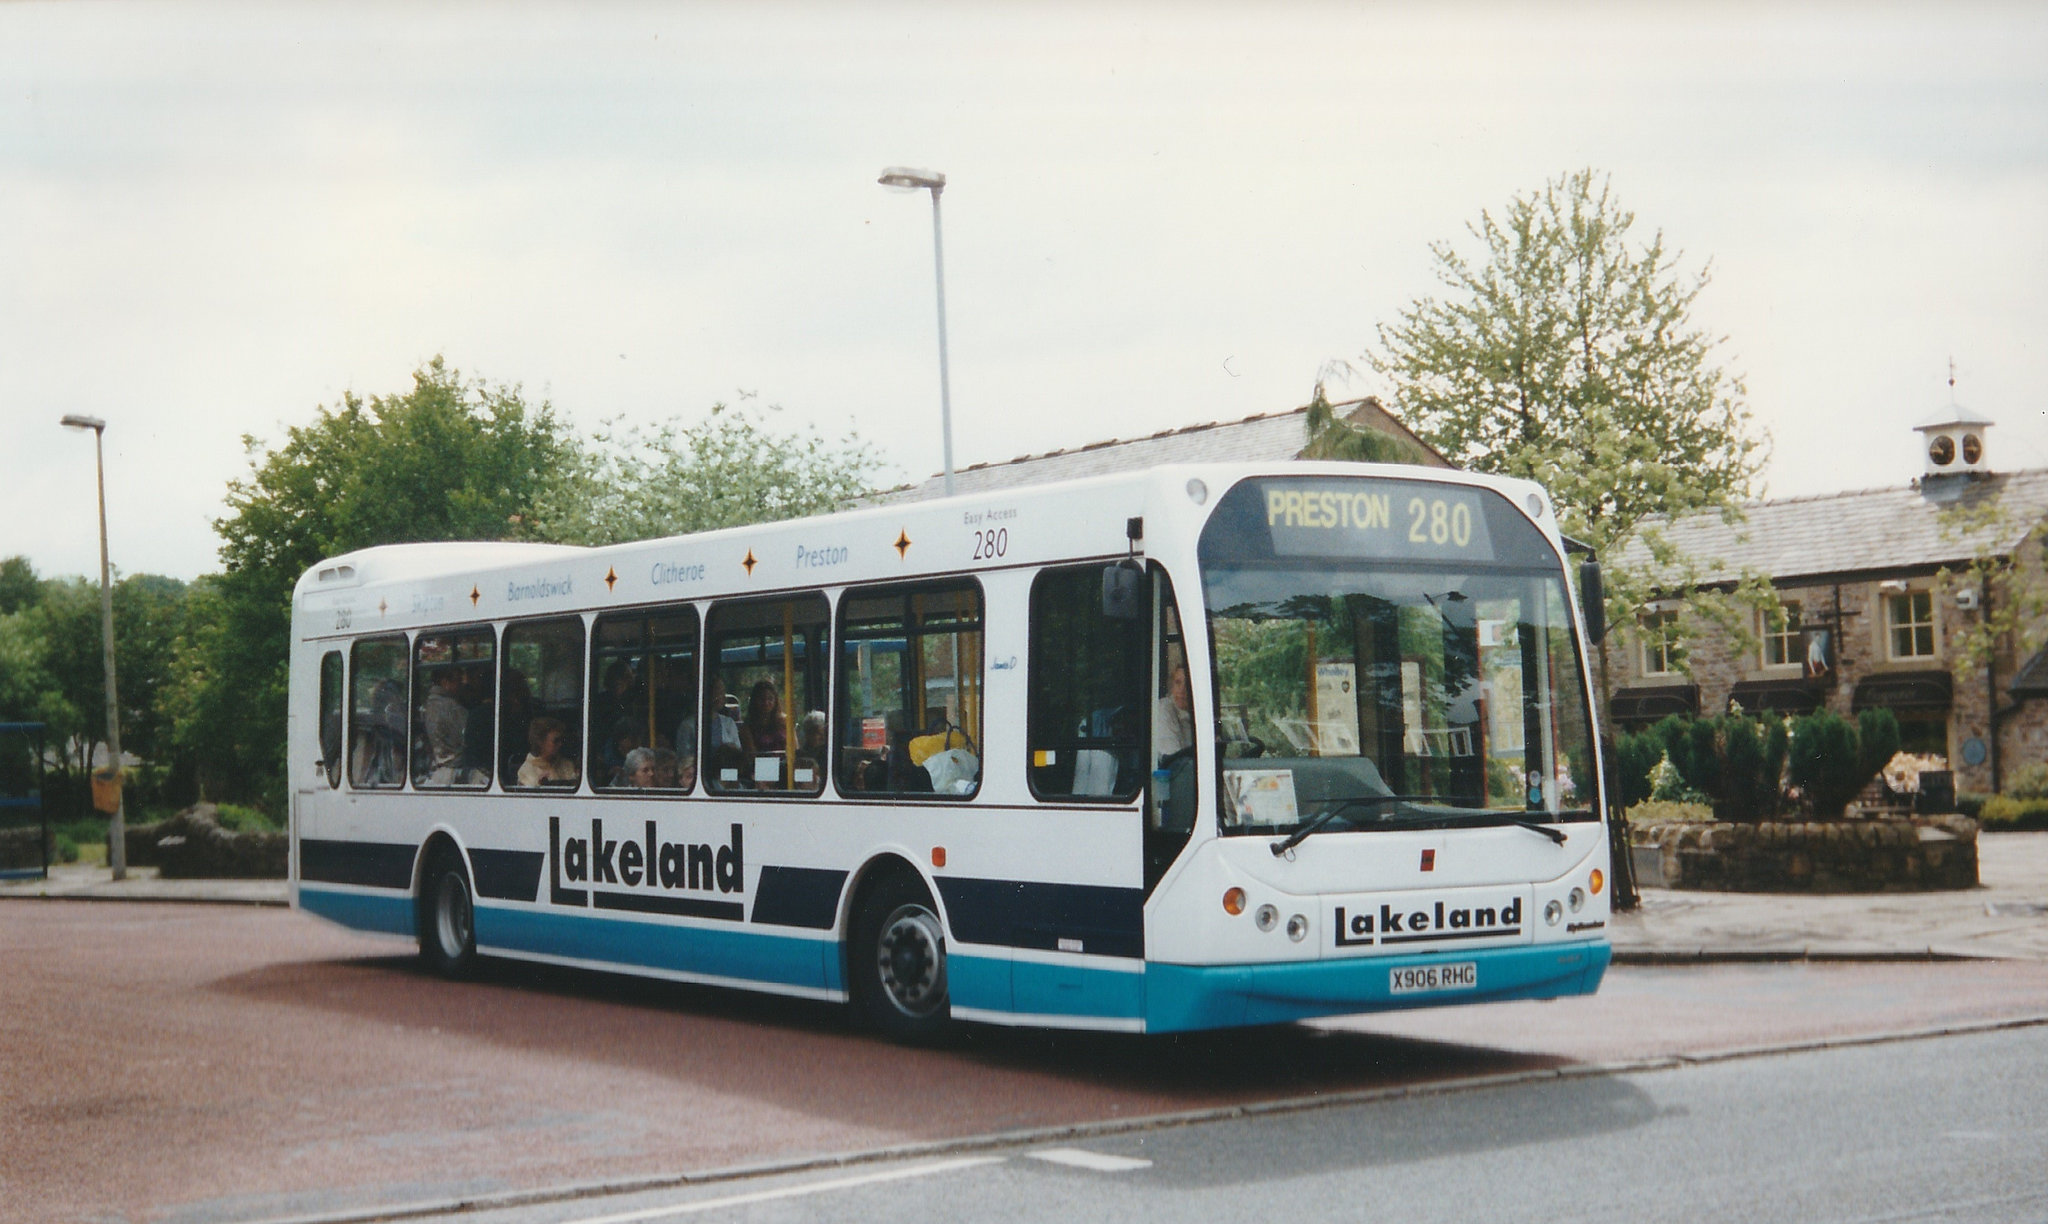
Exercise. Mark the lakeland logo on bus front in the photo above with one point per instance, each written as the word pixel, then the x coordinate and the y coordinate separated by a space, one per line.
pixel 1413 920
pixel 634 869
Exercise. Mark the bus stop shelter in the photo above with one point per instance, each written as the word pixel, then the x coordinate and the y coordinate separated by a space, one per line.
pixel 22 815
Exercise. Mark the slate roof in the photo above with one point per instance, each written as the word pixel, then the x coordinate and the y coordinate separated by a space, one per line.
pixel 1268 437
pixel 1869 530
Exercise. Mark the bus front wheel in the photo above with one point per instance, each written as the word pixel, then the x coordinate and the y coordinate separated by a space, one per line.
pixel 899 963
pixel 447 916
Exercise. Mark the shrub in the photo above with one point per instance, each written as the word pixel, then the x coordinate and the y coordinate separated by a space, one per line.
pixel 238 819
pixel 1661 811
pixel 1970 804
pixel 1667 785
pixel 1828 758
pixel 1750 770
pixel 1877 732
pixel 1636 757
pixel 2005 812
pixel 2027 782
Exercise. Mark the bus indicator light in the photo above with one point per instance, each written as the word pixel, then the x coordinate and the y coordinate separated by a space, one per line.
pixel 1597 881
pixel 1233 901
pixel 938 856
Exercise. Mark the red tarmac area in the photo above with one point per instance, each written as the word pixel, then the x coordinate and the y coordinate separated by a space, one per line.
pixel 190 1062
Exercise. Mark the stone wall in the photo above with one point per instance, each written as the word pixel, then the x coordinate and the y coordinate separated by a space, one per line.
pixel 1823 856
pixel 19 848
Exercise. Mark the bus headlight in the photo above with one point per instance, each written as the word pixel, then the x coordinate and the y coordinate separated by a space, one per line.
pixel 1553 912
pixel 1577 899
pixel 1268 917
pixel 1297 928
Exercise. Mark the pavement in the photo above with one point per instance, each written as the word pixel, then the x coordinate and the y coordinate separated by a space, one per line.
pixel 2004 918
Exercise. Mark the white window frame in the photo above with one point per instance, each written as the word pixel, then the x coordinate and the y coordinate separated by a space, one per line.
pixel 1788 633
pixel 1932 624
pixel 1659 642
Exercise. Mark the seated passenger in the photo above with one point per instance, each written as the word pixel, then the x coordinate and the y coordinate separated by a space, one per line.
pixel 762 734
pixel 664 769
pixel 638 771
pixel 686 772
pixel 545 764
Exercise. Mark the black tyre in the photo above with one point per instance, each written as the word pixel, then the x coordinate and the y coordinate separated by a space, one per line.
pixel 447 916
pixel 898 962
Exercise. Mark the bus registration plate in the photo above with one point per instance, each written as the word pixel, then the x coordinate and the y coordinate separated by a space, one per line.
pixel 1421 979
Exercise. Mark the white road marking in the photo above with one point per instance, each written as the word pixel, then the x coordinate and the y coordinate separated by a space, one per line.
pixel 785 1192
pixel 1082 1158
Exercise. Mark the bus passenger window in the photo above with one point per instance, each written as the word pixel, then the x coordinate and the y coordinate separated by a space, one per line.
pixel 764 721
pixel 540 704
pixel 1090 707
pixel 643 690
pixel 376 720
pixel 910 690
pixel 452 685
pixel 330 717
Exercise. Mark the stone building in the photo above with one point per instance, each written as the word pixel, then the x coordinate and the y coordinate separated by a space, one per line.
pixel 1880 593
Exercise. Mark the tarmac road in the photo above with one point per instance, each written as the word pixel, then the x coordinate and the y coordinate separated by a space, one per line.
pixel 238 1063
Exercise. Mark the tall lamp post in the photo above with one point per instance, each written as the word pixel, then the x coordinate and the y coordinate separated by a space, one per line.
pixel 117 832
pixel 903 178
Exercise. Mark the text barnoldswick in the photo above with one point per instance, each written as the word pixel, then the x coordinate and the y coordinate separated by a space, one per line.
pixel 540 588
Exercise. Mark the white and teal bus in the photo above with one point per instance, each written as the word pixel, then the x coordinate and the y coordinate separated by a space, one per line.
pixel 1185 748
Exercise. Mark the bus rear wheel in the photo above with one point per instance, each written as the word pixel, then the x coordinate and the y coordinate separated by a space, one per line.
pixel 447 916
pixel 899 963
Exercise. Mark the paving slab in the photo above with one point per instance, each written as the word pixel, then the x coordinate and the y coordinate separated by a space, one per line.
pixel 2005 917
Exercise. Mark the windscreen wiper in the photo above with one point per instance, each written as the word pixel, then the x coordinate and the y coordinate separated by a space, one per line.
pixel 1328 814
pixel 1556 835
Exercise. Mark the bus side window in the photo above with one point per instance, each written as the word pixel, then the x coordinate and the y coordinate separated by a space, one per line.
pixel 643 687
pixel 540 704
pixel 330 717
pixel 910 691
pixel 453 681
pixel 765 678
pixel 376 719
pixel 1089 711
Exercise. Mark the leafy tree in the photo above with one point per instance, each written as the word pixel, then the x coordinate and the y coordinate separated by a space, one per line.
pixel 451 459
pixel 1332 437
pixel 728 469
pixel 1569 356
pixel 19 586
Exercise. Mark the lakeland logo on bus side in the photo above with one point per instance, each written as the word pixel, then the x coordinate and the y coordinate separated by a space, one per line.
pixel 640 872
pixel 1426 923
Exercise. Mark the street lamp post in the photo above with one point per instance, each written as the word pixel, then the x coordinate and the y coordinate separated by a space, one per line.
pixel 117 832
pixel 903 178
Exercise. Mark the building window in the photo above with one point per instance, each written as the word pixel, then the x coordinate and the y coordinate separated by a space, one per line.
pixel 1781 630
pixel 1910 617
pixel 1662 653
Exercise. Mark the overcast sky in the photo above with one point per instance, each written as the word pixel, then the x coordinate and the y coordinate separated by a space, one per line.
pixel 216 218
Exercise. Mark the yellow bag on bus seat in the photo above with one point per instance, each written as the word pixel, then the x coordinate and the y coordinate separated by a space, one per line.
pixel 924 746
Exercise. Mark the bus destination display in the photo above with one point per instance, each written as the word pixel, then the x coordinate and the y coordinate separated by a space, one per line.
pixel 1404 519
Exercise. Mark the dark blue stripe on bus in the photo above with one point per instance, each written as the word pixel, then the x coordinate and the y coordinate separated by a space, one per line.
pixel 373 864
pixel 507 875
pixel 1020 914
pixel 798 897
pixel 654 903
